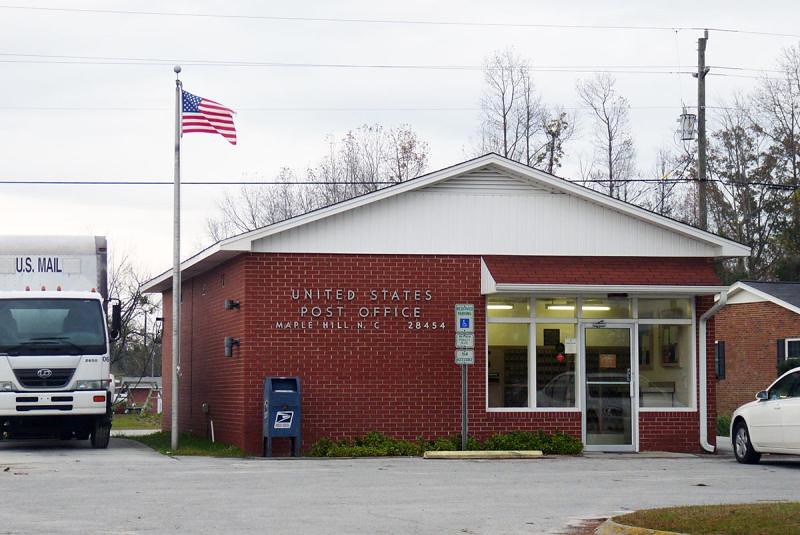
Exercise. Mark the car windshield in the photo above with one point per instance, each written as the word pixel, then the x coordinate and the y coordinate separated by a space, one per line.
pixel 51 327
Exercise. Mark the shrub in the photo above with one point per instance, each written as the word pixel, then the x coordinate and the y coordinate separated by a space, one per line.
pixel 723 426
pixel 557 443
pixel 376 444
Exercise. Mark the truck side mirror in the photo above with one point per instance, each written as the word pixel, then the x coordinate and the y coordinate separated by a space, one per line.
pixel 116 320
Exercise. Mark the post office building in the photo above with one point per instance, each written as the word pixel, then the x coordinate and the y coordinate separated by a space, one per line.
pixel 592 316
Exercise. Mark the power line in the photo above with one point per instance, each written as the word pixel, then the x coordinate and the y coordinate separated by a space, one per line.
pixel 58 59
pixel 325 109
pixel 275 64
pixel 418 22
pixel 57 182
pixel 14 57
pixel 65 182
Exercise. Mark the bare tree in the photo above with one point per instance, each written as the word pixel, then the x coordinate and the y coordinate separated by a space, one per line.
pixel 614 159
pixel 364 160
pixel 406 155
pixel 515 123
pixel 257 206
pixel 125 281
pixel 505 75
pixel 665 194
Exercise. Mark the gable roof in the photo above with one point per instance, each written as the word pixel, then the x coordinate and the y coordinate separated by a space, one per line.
pixel 233 246
pixel 784 294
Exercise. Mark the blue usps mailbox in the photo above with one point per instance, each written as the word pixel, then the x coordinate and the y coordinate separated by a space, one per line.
pixel 282 413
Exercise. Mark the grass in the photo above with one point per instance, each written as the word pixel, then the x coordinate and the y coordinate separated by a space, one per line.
pixel 778 518
pixel 723 426
pixel 189 445
pixel 137 421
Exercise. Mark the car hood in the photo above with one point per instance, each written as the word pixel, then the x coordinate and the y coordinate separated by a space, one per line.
pixel 750 404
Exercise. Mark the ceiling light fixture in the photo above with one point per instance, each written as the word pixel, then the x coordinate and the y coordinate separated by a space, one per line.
pixel 560 307
pixel 500 307
pixel 585 308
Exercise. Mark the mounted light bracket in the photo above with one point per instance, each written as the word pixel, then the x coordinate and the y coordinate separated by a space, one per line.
pixel 230 342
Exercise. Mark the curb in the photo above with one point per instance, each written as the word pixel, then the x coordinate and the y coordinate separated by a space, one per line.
pixel 505 454
pixel 609 527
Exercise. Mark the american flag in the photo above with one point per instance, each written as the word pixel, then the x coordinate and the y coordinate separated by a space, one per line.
pixel 206 116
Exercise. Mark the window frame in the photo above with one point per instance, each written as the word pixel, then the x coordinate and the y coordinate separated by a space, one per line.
pixel 786 348
pixel 578 320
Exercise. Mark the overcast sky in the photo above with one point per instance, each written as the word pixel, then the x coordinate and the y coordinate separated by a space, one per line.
pixel 115 121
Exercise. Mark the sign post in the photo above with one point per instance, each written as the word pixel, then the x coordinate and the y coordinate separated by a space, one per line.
pixel 465 356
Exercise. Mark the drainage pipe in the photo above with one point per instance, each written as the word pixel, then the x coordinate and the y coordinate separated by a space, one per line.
pixel 703 366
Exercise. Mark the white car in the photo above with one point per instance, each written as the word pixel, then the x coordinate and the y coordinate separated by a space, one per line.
pixel 771 423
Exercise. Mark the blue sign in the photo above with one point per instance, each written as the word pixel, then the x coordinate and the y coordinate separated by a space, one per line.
pixel 465 316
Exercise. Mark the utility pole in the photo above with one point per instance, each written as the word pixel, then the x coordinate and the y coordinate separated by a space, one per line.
pixel 702 190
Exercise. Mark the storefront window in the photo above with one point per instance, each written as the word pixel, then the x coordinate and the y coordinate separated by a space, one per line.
pixel 555 307
pixel 606 307
pixel 556 349
pixel 665 309
pixel 665 365
pixel 508 364
pixel 508 307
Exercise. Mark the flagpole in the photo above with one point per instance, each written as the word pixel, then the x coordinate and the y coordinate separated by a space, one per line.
pixel 176 262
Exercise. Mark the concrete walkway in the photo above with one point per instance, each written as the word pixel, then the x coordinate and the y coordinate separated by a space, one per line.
pixel 67 487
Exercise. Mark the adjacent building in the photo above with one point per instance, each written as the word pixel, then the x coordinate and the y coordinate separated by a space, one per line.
pixel 592 316
pixel 757 331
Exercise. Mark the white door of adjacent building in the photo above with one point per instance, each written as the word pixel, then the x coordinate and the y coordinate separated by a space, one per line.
pixel 610 415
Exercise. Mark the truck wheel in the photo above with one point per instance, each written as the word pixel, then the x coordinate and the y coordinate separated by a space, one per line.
pixel 101 433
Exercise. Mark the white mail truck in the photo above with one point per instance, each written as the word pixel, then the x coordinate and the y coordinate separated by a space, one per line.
pixel 55 377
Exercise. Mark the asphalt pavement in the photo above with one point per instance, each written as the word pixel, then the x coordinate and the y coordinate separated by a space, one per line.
pixel 67 487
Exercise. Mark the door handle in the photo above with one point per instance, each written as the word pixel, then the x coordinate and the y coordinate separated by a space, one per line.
pixel 630 382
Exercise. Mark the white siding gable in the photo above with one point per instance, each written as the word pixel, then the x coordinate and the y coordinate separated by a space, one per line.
pixel 485 211
pixel 487 205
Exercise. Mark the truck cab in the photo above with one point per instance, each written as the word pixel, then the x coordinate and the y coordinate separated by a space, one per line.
pixel 55 378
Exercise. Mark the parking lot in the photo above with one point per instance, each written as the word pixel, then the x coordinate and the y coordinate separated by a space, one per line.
pixel 54 487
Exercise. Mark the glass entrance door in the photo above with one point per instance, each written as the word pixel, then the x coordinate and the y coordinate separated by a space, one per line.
pixel 609 414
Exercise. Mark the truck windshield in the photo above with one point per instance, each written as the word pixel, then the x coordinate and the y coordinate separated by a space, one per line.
pixel 51 327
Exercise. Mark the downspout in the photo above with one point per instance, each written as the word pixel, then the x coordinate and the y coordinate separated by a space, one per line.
pixel 703 365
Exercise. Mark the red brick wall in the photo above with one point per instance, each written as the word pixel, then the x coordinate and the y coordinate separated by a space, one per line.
pixel 751 332
pixel 601 270
pixel 206 374
pixel 392 379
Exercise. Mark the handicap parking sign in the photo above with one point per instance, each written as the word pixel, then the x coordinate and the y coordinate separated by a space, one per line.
pixel 465 314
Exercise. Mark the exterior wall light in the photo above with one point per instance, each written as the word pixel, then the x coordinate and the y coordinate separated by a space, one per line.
pixel 230 304
pixel 230 341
